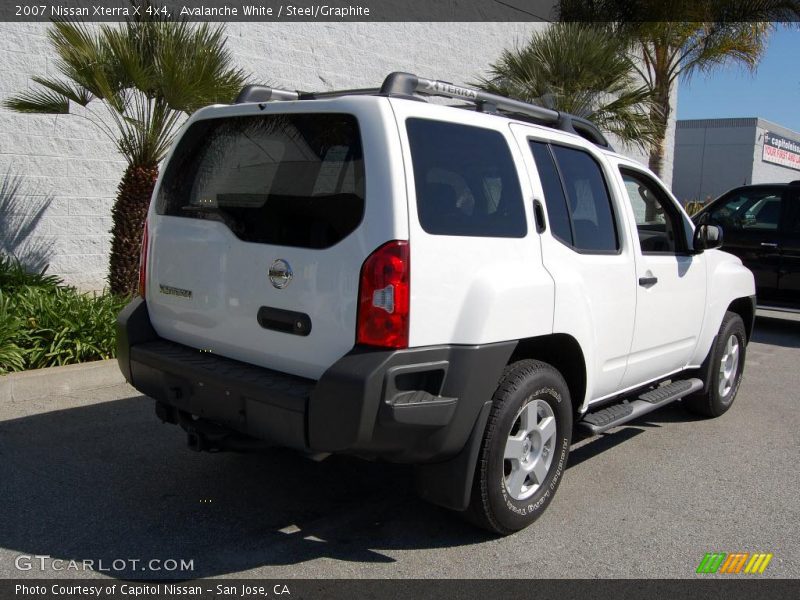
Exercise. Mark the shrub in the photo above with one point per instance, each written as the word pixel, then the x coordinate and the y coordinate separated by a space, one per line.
pixel 693 207
pixel 13 276
pixel 44 323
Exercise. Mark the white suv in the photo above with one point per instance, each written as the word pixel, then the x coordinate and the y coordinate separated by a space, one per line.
pixel 368 273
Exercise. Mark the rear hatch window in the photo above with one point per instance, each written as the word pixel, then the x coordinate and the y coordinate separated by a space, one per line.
pixel 282 179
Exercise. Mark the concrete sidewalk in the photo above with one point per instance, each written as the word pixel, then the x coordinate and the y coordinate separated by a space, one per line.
pixel 59 381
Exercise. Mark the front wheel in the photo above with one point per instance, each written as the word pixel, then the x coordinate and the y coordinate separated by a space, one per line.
pixel 727 364
pixel 524 449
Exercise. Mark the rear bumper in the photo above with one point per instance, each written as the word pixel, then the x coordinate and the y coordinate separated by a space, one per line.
pixel 417 405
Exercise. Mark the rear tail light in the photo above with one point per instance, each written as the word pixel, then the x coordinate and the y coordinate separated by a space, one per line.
pixel 143 263
pixel 383 297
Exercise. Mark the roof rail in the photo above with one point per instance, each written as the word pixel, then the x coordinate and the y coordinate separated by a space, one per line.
pixel 260 93
pixel 406 84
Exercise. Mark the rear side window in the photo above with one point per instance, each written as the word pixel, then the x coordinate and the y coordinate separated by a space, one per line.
pixel 291 180
pixel 465 179
pixel 555 199
pixel 577 199
pixel 593 224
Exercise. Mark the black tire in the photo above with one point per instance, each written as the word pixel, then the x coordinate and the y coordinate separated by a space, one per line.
pixel 492 505
pixel 719 394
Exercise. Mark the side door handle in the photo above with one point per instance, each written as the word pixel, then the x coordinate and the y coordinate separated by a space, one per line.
pixel 647 281
pixel 538 214
pixel 769 245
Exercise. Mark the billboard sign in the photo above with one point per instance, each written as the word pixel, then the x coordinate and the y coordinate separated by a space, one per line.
pixel 781 151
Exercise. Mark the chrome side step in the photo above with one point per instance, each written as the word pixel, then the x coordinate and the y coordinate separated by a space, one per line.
pixel 618 414
pixel 784 309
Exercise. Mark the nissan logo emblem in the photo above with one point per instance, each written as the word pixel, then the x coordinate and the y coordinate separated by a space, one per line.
pixel 280 274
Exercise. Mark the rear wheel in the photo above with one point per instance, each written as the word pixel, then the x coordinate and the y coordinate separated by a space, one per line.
pixel 727 364
pixel 524 449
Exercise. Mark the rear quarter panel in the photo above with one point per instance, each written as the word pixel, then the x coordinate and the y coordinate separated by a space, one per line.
pixel 473 290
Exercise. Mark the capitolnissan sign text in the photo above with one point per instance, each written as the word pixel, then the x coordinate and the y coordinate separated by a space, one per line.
pixel 781 151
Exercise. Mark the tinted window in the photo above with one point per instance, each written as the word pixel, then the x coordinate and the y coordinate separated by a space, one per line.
pixel 293 180
pixel 793 212
pixel 588 202
pixel 749 210
pixel 466 183
pixel 554 198
pixel 656 217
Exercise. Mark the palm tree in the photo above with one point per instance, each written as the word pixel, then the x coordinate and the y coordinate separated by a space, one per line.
pixel 707 36
pixel 580 69
pixel 148 74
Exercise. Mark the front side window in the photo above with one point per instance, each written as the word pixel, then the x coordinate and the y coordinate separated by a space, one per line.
pixel 465 181
pixel 658 222
pixel 293 180
pixel 749 210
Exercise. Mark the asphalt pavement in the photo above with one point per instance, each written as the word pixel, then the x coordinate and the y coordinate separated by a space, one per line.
pixel 93 476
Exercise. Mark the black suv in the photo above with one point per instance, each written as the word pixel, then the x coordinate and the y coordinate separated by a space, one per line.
pixel 761 225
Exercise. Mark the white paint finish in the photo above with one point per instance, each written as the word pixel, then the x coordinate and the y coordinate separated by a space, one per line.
pixel 727 279
pixel 228 277
pixel 669 315
pixel 464 290
pixel 595 295
pixel 473 290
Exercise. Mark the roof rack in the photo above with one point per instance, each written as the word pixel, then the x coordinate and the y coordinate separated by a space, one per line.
pixel 406 85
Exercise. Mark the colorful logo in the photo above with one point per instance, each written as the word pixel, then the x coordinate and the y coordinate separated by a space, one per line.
pixel 734 563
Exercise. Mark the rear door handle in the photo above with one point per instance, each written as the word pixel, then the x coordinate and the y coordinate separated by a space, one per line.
pixel 538 213
pixel 648 281
pixel 769 244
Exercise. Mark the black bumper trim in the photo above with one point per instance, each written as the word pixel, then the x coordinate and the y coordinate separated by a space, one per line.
pixel 415 406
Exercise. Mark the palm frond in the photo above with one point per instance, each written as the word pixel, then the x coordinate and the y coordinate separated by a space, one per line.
pixel 71 91
pixel 580 69
pixel 148 72
pixel 713 45
pixel 38 101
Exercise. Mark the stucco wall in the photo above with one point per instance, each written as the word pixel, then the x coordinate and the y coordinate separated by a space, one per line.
pixel 66 158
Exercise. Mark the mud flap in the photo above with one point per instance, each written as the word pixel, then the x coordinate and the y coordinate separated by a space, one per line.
pixel 449 483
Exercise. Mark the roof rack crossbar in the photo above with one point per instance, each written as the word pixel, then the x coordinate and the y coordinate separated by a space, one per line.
pixel 335 93
pixel 407 84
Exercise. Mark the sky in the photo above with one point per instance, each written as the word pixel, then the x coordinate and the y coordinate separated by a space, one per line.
pixel 772 92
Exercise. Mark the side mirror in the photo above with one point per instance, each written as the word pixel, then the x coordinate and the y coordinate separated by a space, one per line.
pixel 706 237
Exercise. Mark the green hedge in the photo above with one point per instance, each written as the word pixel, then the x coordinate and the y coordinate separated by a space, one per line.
pixel 44 323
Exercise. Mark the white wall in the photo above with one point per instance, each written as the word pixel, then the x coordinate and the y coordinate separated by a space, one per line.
pixel 66 157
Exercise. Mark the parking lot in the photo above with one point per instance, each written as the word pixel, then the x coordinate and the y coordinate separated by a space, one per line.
pixel 95 476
